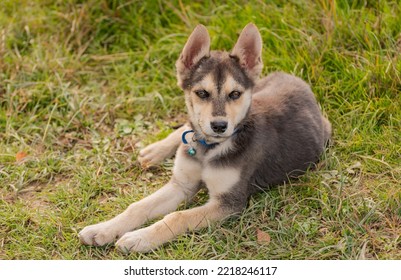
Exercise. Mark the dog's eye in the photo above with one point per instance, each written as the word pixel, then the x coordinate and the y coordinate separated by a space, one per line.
pixel 202 94
pixel 234 95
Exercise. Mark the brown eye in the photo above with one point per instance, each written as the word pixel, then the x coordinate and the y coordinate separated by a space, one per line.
pixel 202 94
pixel 234 95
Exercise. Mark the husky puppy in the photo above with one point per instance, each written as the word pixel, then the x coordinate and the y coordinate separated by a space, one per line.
pixel 243 133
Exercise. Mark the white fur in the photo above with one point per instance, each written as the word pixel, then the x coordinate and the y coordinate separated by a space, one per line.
pixel 220 180
pixel 182 187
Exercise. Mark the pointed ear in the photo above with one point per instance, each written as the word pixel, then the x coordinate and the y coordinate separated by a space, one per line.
pixel 197 47
pixel 248 49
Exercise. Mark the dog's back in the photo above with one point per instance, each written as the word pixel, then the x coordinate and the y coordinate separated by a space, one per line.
pixel 289 94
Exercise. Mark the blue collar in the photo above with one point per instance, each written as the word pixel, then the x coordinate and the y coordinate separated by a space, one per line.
pixel 200 141
pixel 191 150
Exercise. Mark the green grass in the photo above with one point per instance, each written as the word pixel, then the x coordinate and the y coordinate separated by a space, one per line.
pixel 84 84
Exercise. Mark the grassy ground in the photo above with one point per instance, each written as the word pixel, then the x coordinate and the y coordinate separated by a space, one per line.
pixel 84 84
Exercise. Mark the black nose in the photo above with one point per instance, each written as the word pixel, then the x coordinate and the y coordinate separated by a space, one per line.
pixel 219 127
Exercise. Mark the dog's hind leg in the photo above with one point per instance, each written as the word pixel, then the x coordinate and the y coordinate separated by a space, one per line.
pixel 183 185
pixel 155 153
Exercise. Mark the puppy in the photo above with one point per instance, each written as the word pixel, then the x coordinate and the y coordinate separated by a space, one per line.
pixel 243 134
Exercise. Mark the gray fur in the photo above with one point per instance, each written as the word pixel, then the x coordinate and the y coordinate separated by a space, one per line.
pixel 282 135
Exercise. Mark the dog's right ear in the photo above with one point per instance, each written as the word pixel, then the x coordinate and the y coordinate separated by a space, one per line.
pixel 197 47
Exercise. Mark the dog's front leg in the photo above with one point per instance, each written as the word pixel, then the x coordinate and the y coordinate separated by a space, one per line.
pixel 226 198
pixel 155 153
pixel 183 185
pixel 174 224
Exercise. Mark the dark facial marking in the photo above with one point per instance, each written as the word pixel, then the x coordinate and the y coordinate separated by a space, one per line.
pixel 219 67
pixel 238 73
pixel 219 76
pixel 199 71
pixel 218 107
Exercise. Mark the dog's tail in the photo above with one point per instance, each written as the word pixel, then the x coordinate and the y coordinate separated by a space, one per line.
pixel 326 130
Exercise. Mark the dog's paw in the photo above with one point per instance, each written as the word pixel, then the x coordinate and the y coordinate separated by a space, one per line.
pixel 98 235
pixel 136 241
pixel 153 154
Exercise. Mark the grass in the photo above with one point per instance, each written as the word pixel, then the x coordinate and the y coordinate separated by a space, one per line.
pixel 84 84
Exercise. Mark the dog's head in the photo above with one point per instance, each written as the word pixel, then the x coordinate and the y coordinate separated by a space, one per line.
pixel 218 84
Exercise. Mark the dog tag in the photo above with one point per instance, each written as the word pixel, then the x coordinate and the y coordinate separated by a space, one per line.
pixel 191 151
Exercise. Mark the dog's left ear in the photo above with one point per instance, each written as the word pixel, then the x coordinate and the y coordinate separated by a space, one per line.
pixel 248 49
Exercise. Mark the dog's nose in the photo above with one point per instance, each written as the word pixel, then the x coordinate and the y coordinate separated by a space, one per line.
pixel 219 127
